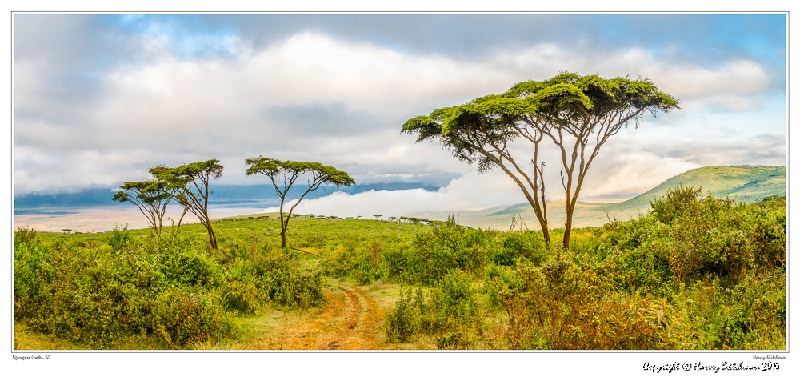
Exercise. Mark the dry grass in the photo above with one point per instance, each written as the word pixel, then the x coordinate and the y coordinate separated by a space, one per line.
pixel 27 340
pixel 350 320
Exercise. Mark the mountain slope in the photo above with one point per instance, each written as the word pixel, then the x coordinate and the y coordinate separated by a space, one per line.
pixel 746 184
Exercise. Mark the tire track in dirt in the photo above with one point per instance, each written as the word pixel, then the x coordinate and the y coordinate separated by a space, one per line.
pixel 348 321
pixel 363 323
pixel 354 311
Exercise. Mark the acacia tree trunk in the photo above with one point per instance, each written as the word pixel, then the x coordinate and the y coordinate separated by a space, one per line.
pixel 568 225
pixel 285 226
pixel 536 185
pixel 212 237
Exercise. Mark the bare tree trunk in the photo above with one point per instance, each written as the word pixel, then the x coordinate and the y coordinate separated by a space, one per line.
pixel 212 238
pixel 546 234
pixel 568 225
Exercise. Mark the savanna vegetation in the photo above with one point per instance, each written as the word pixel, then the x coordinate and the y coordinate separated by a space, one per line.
pixel 697 272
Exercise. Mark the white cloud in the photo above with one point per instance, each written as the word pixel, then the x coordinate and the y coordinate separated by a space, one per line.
pixel 313 68
pixel 472 191
pixel 632 173
pixel 733 85
pixel 173 111
pixel 625 175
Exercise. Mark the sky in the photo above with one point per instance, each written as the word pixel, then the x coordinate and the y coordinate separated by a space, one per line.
pixel 100 98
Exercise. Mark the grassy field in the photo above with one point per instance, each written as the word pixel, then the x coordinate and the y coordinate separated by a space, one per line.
pixel 696 273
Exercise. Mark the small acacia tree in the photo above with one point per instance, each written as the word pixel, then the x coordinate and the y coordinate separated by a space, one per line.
pixel 150 196
pixel 190 184
pixel 284 174
pixel 577 113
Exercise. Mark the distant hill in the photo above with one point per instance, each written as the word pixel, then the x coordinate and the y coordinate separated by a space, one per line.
pixel 745 184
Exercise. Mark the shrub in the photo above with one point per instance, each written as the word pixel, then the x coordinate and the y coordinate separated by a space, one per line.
pixel 689 237
pixel 448 311
pixel 515 245
pixel 444 248
pixel 91 295
pixel 357 259
pixel 675 203
pixel 709 235
pixel 563 306
pixel 119 239
pixel 179 316
pixel 271 277
pixel 33 275
pixel 398 262
pixel 25 235
pixel 402 322
pixel 293 288
pixel 500 280
pixel 769 235
pixel 243 293
pixel 186 266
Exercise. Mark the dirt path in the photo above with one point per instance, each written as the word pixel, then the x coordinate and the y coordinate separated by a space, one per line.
pixel 348 321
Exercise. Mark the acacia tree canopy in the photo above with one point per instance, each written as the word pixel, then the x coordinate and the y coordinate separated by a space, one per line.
pixel 284 174
pixel 577 113
pixel 480 132
pixel 150 196
pixel 190 182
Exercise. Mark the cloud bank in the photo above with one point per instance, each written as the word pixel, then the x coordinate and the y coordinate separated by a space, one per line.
pixel 98 100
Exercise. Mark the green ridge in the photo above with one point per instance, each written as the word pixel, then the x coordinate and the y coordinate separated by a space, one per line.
pixel 747 184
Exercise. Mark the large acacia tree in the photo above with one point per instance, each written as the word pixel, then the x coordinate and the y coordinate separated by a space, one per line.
pixel 190 184
pixel 577 113
pixel 481 132
pixel 284 174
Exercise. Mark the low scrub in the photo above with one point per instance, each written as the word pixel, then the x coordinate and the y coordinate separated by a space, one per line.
pixel 449 311
pixel 167 287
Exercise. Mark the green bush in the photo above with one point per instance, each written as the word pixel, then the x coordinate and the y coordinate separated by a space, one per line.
pixel 563 306
pixel 444 248
pixel 25 235
pixel 688 236
pixel 402 322
pixel 448 311
pixel 675 203
pixel 293 288
pixel 186 266
pixel 501 280
pixel 33 275
pixel 769 233
pixel 244 292
pixel 119 239
pixel 271 276
pixel 709 235
pixel 515 245
pixel 358 259
pixel 180 316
